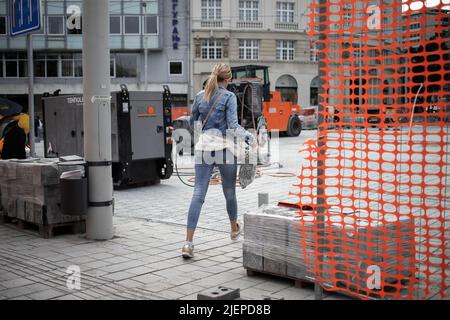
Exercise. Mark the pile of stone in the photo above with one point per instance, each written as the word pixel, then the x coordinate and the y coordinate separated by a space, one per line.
pixel 353 246
pixel 30 192
pixel 272 243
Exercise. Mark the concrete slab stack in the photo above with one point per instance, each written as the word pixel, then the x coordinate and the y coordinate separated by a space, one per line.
pixel 278 242
pixel 30 192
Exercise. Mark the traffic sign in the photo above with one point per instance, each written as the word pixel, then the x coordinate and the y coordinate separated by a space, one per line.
pixel 24 16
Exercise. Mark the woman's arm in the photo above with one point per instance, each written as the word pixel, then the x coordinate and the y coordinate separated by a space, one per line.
pixel 232 120
pixel 195 114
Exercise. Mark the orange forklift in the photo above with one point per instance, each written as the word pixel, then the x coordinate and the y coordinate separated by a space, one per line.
pixel 282 116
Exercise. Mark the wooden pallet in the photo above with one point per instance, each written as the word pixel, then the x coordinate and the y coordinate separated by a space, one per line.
pixel 306 283
pixel 298 283
pixel 46 231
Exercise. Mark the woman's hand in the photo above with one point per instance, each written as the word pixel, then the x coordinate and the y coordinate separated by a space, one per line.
pixel 251 140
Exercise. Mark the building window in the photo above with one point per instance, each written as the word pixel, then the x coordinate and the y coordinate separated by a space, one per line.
pixel 39 65
pixel 115 25
pixel 71 65
pixel 211 9
pixel 112 66
pixel 67 66
pixel 78 64
pixel 52 65
pixel 15 65
pixel 176 68
pixel 314 54
pixel 212 49
pixel 47 65
pixel 132 24
pixel 285 50
pixel 126 65
pixel 285 12
pixel 151 25
pixel 2 25
pixel 55 25
pixel 248 49
pixel 248 10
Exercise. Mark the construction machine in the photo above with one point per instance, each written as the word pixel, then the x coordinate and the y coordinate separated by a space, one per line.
pixel 141 133
pixel 282 116
pixel 249 94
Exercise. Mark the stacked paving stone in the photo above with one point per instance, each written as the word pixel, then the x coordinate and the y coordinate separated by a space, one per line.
pixel 274 243
pixel 30 192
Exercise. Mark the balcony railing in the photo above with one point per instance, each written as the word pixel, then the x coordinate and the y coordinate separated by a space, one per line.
pixel 286 26
pixel 211 24
pixel 249 25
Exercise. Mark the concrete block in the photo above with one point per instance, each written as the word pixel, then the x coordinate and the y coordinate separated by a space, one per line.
pixel 20 209
pixel 221 293
pixel 252 231
pixel 298 271
pixel 263 199
pixel 252 256
pixel 275 266
pixel 11 170
pixel 45 174
pixel 11 208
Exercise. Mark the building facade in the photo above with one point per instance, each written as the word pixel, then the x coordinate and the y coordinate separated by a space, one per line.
pixel 157 27
pixel 257 32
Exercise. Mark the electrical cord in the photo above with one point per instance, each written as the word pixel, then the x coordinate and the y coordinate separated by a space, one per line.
pixel 178 173
pixel 217 180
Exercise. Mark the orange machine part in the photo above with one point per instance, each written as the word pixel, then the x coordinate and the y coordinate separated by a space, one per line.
pixel 378 175
pixel 178 112
pixel 278 112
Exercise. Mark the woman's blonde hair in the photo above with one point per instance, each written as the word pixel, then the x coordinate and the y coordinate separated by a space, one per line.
pixel 219 73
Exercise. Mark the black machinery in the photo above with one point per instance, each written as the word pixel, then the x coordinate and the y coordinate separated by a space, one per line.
pixel 250 94
pixel 140 133
pixel 249 97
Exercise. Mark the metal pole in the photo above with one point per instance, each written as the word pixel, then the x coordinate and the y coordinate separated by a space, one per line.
pixel 146 64
pixel 97 118
pixel 320 211
pixel 31 94
pixel 189 60
pixel 263 199
pixel 145 49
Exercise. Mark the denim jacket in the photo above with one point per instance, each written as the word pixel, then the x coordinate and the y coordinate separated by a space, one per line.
pixel 224 116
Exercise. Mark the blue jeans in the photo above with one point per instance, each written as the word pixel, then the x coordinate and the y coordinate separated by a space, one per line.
pixel 203 171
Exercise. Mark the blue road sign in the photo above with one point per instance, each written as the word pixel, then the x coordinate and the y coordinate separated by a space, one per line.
pixel 24 16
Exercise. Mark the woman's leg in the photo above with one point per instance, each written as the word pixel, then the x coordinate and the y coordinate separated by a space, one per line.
pixel 228 172
pixel 202 177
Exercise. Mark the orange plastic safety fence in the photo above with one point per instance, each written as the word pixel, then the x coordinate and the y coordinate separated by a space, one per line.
pixel 378 176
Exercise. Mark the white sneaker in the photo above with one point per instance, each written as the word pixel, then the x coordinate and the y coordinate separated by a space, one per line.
pixel 235 234
pixel 188 250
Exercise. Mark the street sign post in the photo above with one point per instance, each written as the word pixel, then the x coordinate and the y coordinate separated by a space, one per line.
pixel 24 16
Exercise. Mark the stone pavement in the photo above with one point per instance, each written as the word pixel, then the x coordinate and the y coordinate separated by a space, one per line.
pixel 143 260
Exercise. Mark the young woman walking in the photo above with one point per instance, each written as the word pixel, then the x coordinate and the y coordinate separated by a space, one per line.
pixel 215 115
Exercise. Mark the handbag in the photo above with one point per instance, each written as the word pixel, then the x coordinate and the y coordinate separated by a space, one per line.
pixel 247 170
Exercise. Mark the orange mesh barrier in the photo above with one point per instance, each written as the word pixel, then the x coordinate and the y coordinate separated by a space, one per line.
pixel 378 176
